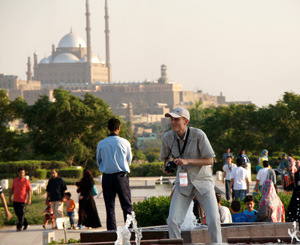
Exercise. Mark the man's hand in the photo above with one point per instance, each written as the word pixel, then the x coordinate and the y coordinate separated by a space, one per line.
pixel 8 215
pixel 29 202
pixel 181 162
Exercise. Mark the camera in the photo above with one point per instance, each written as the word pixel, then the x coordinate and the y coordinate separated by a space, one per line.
pixel 170 167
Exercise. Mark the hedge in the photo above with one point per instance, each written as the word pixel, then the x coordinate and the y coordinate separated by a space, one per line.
pixel 147 169
pixel 8 169
pixel 152 211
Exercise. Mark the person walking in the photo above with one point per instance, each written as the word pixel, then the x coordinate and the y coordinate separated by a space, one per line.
pixel 114 157
pixel 193 156
pixel 87 213
pixel 21 192
pixel 2 196
pixel 227 169
pixel 239 181
pixel 55 194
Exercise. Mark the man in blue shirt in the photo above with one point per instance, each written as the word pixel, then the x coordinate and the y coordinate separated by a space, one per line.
pixel 114 157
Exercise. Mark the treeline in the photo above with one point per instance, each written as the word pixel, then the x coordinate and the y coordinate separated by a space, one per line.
pixel 70 127
pixel 274 127
pixel 67 128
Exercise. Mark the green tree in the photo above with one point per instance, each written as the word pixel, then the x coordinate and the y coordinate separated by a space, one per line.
pixel 68 128
pixel 11 142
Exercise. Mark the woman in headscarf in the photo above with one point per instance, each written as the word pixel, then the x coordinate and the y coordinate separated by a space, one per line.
pixel 293 213
pixel 270 207
pixel 88 214
pixel 263 157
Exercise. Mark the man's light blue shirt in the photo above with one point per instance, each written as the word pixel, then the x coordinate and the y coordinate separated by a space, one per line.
pixel 114 155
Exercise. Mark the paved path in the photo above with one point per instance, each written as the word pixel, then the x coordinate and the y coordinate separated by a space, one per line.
pixel 141 188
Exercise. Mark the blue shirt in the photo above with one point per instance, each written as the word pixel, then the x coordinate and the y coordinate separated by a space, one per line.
pixel 239 217
pixel 114 155
pixel 250 215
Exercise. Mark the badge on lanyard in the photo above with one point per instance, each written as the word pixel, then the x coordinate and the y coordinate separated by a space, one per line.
pixel 183 179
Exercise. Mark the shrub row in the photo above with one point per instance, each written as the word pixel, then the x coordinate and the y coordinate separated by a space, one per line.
pixel 147 169
pixel 31 166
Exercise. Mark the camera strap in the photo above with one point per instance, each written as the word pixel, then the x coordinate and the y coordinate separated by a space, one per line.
pixel 184 144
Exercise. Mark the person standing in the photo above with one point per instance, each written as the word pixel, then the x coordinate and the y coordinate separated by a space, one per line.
pixel 21 190
pixel 226 154
pixel 239 181
pixel 114 157
pixel 55 194
pixel 227 169
pixel 193 156
pixel 2 196
pixel 88 214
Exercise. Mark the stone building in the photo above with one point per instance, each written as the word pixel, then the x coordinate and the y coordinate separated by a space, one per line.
pixel 72 61
pixel 29 91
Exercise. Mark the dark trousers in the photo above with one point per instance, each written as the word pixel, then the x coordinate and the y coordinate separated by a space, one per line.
pixel 113 184
pixel 227 188
pixel 19 208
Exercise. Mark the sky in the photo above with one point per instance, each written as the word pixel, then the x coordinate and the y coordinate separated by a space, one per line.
pixel 248 50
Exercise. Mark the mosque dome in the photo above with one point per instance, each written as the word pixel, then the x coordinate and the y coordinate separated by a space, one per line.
pixel 94 60
pixel 65 58
pixel 46 60
pixel 71 40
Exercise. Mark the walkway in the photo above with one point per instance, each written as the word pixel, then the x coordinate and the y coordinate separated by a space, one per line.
pixel 142 188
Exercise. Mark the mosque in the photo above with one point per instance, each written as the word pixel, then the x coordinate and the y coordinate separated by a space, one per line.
pixel 73 67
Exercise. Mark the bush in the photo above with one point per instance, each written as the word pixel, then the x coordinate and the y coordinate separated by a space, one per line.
pixel 12 167
pixel 53 164
pixel 70 172
pixel 146 169
pixel 41 173
pixel 153 211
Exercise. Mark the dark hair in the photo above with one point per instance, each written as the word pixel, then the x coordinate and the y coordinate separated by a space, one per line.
pixel 239 161
pixel 265 163
pixel 21 169
pixel 279 158
pixel 249 198
pixel 68 194
pixel 87 176
pixel 219 197
pixel 235 206
pixel 113 124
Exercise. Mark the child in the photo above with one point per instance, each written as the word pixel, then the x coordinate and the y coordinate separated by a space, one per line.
pixel 70 208
pixel 49 215
pixel 250 212
pixel 225 215
pixel 237 217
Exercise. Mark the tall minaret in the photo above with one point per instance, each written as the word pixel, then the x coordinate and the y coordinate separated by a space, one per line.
pixel 29 73
pixel 88 32
pixel 107 42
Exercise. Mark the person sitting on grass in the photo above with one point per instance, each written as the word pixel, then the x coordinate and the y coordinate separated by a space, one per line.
pixel 237 217
pixel 250 211
pixel 49 215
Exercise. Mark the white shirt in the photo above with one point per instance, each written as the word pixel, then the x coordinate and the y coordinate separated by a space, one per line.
pixel 262 175
pixel 227 170
pixel 239 176
pixel 225 214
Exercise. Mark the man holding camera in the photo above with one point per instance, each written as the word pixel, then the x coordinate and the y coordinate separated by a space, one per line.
pixel 190 149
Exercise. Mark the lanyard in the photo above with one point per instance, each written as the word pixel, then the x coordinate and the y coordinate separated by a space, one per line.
pixel 184 145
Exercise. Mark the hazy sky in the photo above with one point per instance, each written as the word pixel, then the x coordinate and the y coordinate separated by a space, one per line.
pixel 249 50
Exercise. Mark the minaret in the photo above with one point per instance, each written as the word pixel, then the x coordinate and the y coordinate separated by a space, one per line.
pixel 107 42
pixel 163 74
pixel 29 73
pixel 35 64
pixel 88 32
